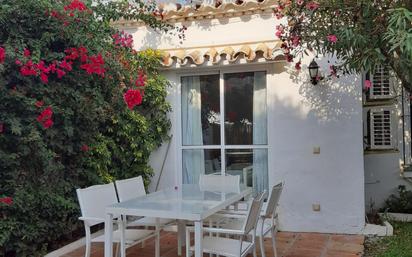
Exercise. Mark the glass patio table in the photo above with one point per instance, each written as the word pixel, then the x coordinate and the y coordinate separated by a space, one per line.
pixel 184 203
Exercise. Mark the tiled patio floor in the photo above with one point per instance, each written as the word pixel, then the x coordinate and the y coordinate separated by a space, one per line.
pixel 289 245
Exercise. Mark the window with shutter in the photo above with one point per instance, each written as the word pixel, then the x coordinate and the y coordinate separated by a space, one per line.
pixel 381 84
pixel 380 129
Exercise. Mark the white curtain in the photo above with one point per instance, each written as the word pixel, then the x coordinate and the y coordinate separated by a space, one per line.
pixel 260 156
pixel 193 160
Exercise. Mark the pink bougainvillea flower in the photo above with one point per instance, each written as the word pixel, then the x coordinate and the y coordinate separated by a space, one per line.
pixel 26 52
pixel 42 67
pixel 60 73
pixel 133 97
pixel 46 114
pixel 295 41
pixel 2 54
pixel 298 66
pixel 289 57
pixel 300 2
pixel 55 14
pixel 95 65
pixel 141 80
pixel 44 78
pixel 368 84
pixel 76 5
pixel 279 15
pixel 39 104
pixel 18 62
pixel 6 200
pixel 45 118
pixel 123 39
pixel 47 124
pixel 28 69
pixel 66 65
pixel 280 7
pixel 82 50
pixel 332 38
pixel 85 148
pixel 71 54
pixel 52 67
pixel 312 5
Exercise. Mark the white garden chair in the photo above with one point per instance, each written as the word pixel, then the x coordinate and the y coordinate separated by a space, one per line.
pixel 216 181
pixel 267 222
pixel 128 189
pixel 231 247
pixel 132 188
pixel 93 201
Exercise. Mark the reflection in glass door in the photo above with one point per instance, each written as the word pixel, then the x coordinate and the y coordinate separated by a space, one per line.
pixel 237 100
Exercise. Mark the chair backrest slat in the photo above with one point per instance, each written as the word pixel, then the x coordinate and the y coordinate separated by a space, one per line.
pixel 274 199
pixel 94 200
pixel 254 213
pixel 226 183
pixel 130 188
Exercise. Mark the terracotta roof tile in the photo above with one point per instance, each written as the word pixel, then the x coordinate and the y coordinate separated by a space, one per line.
pixel 252 52
pixel 176 11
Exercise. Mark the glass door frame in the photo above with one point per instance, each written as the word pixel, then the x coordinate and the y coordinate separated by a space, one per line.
pixel 222 147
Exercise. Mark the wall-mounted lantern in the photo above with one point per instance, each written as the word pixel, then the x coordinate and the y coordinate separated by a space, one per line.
pixel 314 72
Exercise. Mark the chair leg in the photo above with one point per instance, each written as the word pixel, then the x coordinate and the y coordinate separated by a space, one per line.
pixel 254 251
pixel 210 234
pixel 262 247
pixel 88 241
pixel 273 236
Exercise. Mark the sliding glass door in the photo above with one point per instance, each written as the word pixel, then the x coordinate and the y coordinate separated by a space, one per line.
pixel 224 127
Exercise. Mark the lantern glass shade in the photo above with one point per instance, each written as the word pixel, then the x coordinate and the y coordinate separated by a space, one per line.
pixel 313 70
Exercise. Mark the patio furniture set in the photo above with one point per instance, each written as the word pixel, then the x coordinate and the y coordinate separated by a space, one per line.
pixel 211 210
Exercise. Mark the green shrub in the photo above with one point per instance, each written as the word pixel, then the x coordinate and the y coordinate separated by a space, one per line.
pixel 400 202
pixel 64 123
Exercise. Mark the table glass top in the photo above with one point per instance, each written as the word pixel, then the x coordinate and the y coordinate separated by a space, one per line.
pixel 188 199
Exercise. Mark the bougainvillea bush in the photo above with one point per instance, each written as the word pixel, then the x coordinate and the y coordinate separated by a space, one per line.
pixel 363 34
pixel 78 106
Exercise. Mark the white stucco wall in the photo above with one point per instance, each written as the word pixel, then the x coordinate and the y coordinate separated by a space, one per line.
pixel 383 168
pixel 301 116
pixel 382 178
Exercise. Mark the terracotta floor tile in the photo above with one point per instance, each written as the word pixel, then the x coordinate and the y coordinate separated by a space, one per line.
pixel 288 245
pixel 345 247
pixel 313 236
pixel 303 253
pixel 356 239
pixel 309 243
pixel 341 254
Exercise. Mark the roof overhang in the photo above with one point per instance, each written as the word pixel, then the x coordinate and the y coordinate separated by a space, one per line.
pixel 174 13
pixel 252 52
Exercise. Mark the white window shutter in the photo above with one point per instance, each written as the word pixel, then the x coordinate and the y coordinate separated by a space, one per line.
pixel 382 84
pixel 381 129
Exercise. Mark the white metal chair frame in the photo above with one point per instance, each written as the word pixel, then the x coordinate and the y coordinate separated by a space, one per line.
pixel 134 187
pixel 217 181
pixel 248 228
pixel 104 195
pixel 269 213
